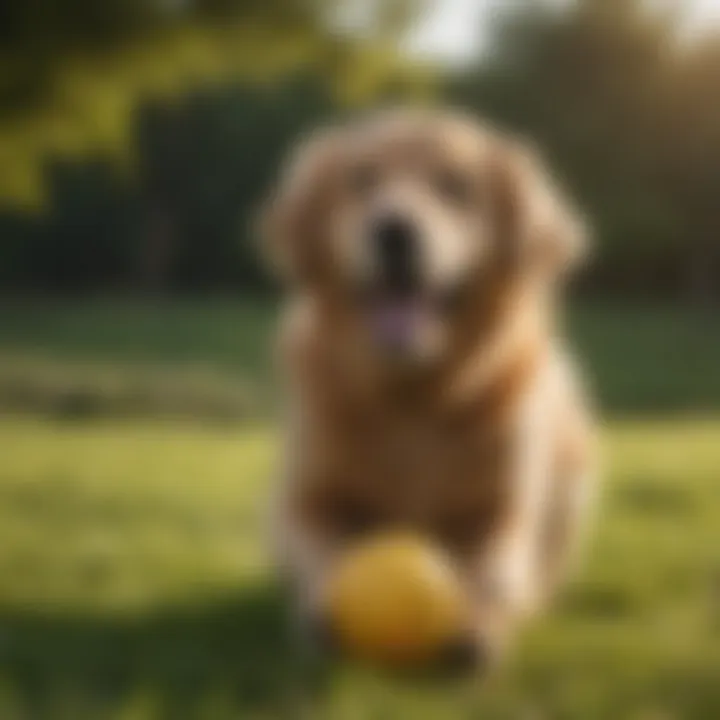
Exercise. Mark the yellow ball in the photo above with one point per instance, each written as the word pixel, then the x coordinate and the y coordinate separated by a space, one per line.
pixel 396 600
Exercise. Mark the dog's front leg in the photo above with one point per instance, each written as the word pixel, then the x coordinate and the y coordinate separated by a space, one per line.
pixel 504 571
pixel 304 556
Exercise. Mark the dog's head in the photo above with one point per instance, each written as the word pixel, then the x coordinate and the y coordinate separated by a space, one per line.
pixel 407 222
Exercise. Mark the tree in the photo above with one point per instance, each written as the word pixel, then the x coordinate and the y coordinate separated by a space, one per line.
pixel 693 162
pixel 628 117
pixel 72 72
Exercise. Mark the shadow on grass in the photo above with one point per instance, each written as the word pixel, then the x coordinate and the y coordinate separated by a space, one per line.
pixel 232 658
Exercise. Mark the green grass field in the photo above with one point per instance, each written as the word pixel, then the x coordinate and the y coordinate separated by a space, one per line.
pixel 133 584
pixel 645 359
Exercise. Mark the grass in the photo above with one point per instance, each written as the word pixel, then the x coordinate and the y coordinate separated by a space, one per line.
pixel 141 359
pixel 133 584
pixel 645 359
pixel 230 336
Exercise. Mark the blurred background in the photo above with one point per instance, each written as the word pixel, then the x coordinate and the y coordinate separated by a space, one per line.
pixel 137 430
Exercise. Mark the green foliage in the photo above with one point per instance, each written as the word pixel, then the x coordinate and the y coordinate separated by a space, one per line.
pixel 73 72
pixel 183 221
pixel 147 132
pixel 627 112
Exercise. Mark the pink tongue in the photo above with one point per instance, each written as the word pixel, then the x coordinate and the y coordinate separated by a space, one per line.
pixel 396 322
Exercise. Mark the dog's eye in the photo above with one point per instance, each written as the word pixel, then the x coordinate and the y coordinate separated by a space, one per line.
pixel 363 178
pixel 454 185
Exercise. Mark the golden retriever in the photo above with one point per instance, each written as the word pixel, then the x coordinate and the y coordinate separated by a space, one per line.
pixel 427 383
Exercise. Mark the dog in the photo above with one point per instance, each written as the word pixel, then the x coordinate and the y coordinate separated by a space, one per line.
pixel 427 383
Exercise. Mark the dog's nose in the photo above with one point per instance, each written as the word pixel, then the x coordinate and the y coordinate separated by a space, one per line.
pixel 396 239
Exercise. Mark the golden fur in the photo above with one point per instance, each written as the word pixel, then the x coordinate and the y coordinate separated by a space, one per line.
pixel 488 448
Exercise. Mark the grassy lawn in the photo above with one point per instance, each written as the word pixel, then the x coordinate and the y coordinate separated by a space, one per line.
pixel 133 584
pixel 643 358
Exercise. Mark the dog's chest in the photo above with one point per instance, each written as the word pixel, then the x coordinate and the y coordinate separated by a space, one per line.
pixel 412 471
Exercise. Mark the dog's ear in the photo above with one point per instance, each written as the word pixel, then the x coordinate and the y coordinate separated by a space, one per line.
pixel 538 227
pixel 291 222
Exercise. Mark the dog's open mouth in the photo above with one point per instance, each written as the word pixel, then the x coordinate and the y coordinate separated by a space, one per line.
pixel 398 323
pixel 408 323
